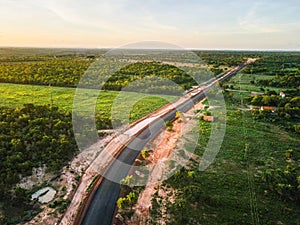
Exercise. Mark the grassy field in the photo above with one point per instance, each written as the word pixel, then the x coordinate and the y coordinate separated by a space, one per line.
pixel 249 148
pixel 232 190
pixel 242 82
pixel 16 95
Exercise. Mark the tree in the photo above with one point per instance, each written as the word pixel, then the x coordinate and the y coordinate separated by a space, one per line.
pixel 191 174
pixel 20 192
pixel 178 115
pixel 297 128
pixel 122 203
pixel 132 198
pixel 127 180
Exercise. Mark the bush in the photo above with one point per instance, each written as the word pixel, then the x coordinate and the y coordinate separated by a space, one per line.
pixel 297 128
pixel 145 153
pixel 169 125
pixel 284 181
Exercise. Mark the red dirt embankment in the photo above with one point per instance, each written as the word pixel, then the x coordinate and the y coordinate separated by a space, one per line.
pixel 162 147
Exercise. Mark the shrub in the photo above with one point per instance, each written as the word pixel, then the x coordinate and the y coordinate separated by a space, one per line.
pixel 145 153
pixel 169 125
pixel 284 181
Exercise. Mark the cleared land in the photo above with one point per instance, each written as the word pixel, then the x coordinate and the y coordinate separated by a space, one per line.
pixel 16 95
pixel 242 82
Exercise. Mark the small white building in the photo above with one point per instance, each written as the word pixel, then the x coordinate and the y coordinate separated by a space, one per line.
pixel 282 94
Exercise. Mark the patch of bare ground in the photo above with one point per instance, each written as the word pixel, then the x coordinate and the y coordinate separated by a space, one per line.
pixel 65 184
pixel 162 148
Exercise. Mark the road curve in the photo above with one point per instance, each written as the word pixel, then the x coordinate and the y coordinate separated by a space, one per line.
pixel 101 208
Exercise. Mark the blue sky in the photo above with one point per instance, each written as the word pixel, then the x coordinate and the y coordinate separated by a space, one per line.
pixel 203 24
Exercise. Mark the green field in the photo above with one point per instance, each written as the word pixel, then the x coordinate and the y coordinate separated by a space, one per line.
pixel 30 123
pixel 16 95
pixel 232 190
pixel 242 82
pixel 252 181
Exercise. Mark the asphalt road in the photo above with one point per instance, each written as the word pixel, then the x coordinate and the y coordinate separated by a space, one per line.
pixel 103 205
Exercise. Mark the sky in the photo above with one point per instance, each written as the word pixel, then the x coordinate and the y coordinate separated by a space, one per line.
pixel 193 24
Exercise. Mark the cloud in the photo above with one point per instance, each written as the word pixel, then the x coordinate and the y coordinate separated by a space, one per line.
pixel 254 22
pixel 114 22
pixel 115 17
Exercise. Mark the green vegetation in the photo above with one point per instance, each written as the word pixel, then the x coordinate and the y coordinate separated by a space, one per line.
pixel 67 71
pixel 279 63
pixel 145 153
pixel 286 111
pixel 275 74
pixel 128 197
pixel 225 58
pixel 27 141
pixel 285 181
pixel 272 71
pixel 169 125
pixel 15 95
pixel 63 71
pixel 245 82
pixel 233 189
pixel 139 71
pixel 255 177
pixel 31 136
pixel 34 135
pixel 61 204
pixel 65 67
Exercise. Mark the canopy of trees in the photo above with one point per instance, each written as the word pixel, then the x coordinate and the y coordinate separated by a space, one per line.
pixel 32 136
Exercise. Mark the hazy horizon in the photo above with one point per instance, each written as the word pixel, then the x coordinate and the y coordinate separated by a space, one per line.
pixel 110 48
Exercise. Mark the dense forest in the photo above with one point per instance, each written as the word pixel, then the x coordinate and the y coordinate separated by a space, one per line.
pixel 66 72
pixel 67 68
pixel 63 71
pixel 32 136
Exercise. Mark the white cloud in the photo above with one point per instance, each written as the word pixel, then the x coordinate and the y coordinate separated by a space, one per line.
pixel 254 22
pixel 116 17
